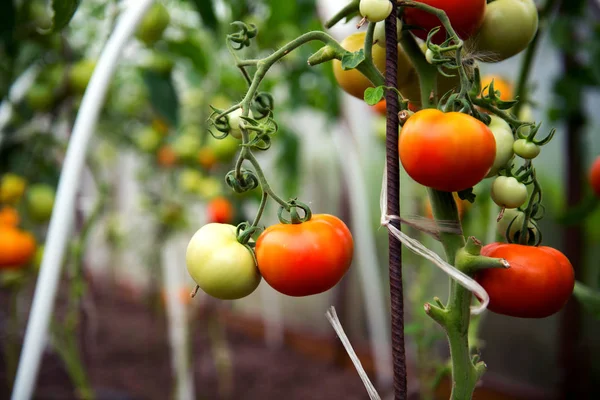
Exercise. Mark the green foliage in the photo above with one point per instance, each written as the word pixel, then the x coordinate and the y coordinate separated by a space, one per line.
pixel 163 96
pixel 206 10
pixel 63 12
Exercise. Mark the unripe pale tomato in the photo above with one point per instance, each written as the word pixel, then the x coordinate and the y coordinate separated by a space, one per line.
pixel 594 176
pixel 508 28
pixel 17 247
pixel 40 201
pixel 504 144
pixel 148 139
pixel 375 10
pixel 219 264
pixel 508 192
pixel 514 219
pixel 187 144
pixel 526 149
pixel 538 283
pixel 190 180
pixel 446 151
pixel 355 83
pixel 153 24
pixel 220 210
pixel 466 16
pixel 307 258
pixel 40 97
pixel 12 187
pixel 379 33
pixel 80 75
pixel 224 149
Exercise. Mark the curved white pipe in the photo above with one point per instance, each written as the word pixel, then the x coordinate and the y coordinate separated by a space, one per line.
pixel 62 215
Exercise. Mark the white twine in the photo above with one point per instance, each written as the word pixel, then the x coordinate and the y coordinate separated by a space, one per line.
pixel 417 247
pixel 337 326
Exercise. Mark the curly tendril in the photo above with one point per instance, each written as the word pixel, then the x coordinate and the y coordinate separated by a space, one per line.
pixel 295 218
pixel 245 183
pixel 262 106
pixel 241 38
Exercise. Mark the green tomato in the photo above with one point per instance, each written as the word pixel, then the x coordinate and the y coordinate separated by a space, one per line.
pixel 80 75
pixel 504 144
pixel 219 264
pixel 153 24
pixel 209 187
pixel 148 139
pixel 508 28
pixel 40 202
pixel 526 149
pixel 40 97
pixel 375 10
pixel 508 192
pixel 511 224
pixel 379 33
pixel 187 144
pixel 38 14
pixel 224 149
pixel 190 180
pixel 160 63
pixel 234 119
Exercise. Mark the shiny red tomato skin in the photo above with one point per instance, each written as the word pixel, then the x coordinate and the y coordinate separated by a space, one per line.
pixel 466 17
pixel 538 283
pixel 307 258
pixel 446 151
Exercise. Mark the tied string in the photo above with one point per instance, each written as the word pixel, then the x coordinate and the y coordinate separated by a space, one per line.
pixel 417 247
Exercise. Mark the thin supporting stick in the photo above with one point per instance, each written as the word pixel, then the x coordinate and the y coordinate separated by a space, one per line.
pixel 62 215
pixel 393 206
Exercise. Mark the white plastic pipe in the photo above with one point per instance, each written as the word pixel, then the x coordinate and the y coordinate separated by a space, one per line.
pixel 62 215
pixel 366 256
pixel 171 263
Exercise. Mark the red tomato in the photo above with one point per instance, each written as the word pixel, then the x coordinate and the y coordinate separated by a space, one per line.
pixel 307 258
pixel 466 17
pixel 446 151
pixel 595 176
pixel 220 210
pixel 538 283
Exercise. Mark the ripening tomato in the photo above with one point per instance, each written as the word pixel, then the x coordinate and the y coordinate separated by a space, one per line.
pixel 380 108
pixel 501 85
pixel 595 176
pixel 166 156
pixel 508 28
pixel 355 83
pixel 538 283
pixel 307 258
pixel 17 247
pixel 219 264
pixel 466 16
pixel 207 157
pixel 446 151
pixel 220 210
pixel 9 216
pixel 12 187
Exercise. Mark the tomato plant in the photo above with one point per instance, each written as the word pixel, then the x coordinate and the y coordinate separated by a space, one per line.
pixel 219 264
pixel 446 151
pixel 538 283
pixel 594 176
pixel 504 144
pixel 508 27
pixel 466 16
pixel 307 258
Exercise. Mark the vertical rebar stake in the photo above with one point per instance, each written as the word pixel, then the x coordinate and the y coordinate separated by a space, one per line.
pixel 393 206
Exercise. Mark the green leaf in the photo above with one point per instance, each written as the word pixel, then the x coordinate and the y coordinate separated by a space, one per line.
pixel 8 15
pixel 588 297
pixel 191 49
pixel 63 12
pixel 206 10
pixel 351 60
pixel 162 96
pixel 373 95
pixel 580 212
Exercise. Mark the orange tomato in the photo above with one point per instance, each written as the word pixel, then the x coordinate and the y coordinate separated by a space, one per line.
pixel 380 108
pixel 307 258
pixel 166 156
pixel 501 85
pixel 207 157
pixel 17 247
pixel 538 283
pixel 9 216
pixel 446 151
pixel 594 176
pixel 220 210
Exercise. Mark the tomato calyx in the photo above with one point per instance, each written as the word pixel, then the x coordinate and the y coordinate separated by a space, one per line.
pixel 295 218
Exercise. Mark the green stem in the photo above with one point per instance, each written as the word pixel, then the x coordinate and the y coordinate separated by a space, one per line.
pixel 349 9
pixel 427 72
pixel 261 208
pixel 521 92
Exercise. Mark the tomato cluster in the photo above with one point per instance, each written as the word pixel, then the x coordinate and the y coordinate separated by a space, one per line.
pixel 296 259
